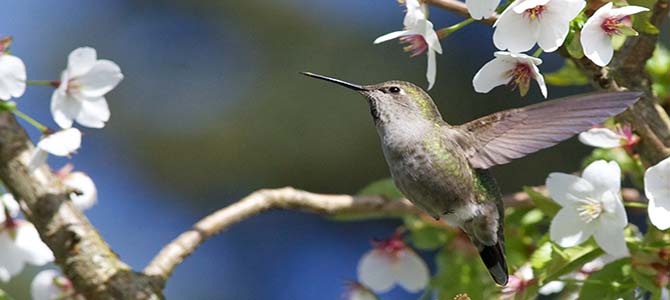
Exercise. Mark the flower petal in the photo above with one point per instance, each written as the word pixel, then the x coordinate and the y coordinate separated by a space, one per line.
pixel 604 176
pixel 540 80
pixel 43 287
pixel 80 61
pixel 552 287
pixel 601 138
pixel 28 240
pixel 614 214
pixel 567 229
pixel 12 258
pixel 390 36
pixel 555 22
pixel 431 71
pixel 37 159
pixel 611 240
pixel 8 202
pixel 567 189
pixel 514 33
pixel 627 10
pixel 657 190
pixel 101 79
pixel 492 74
pixel 94 113
pixel 12 77
pixel 61 143
pixel 84 184
pixel 411 271
pixel 374 271
pixel 480 9
pixel 596 42
pixel 64 109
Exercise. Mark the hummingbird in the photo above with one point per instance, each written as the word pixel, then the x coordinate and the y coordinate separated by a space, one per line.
pixel 444 169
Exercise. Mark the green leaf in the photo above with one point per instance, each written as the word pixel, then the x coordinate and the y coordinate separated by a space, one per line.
pixel 575 49
pixel 612 282
pixel 645 281
pixel 5 296
pixel 546 205
pixel 542 256
pixel 641 20
pixel 550 261
pixel 384 187
pixel 658 67
pixel 568 75
pixel 532 217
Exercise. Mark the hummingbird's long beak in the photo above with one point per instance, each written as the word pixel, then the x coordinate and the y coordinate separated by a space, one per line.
pixel 352 86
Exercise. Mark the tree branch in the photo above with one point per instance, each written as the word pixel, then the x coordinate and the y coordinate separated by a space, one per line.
pixel 341 206
pixel 85 258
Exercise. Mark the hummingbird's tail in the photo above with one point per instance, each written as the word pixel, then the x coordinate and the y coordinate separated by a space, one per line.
pixel 494 259
pixel 486 232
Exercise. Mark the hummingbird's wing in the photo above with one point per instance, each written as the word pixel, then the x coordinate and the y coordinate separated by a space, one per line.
pixel 501 137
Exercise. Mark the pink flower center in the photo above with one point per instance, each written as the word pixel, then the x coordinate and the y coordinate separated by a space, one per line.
pixel 535 12
pixel 72 86
pixel 10 223
pixel 613 25
pixel 416 44
pixel 519 77
pixel 392 246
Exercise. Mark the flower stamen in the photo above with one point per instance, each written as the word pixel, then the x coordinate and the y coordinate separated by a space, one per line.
pixel 520 78
pixel 417 44
pixel 534 12
pixel 590 209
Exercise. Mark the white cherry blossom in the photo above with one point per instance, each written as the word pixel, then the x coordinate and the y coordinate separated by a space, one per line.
pixel 392 262
pixel 527 22
pixel 657 190
pixel 514 70
pixel 591 206
pixel 20 244
pixel 60 143
pixel 51 285
pixel 83 85
pixel 596 36
pixel 420 36
pixel 12 73
pixel 606 138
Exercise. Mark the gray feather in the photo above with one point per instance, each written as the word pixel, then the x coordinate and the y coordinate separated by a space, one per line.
pixel 501 137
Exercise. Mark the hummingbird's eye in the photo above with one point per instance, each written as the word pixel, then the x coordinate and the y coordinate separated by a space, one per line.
pixel 394 89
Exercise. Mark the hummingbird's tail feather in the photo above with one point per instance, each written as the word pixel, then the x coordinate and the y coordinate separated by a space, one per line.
pixel 487 233
pixel 494 259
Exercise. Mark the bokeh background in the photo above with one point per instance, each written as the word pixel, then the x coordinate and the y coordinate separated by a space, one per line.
pixel 212 108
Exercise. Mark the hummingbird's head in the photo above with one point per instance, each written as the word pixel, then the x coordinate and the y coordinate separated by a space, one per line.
pixel 392 100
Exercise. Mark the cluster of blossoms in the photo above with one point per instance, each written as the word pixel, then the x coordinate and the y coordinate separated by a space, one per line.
pixel 519 28
pixel 79 97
